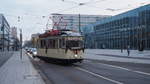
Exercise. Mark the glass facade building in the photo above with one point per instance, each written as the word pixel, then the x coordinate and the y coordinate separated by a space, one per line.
pixel 4 33
pixel 74 21
pixel 89 35
pixel 131 28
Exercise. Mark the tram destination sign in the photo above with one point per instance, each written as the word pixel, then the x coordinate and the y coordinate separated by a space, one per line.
pixel 74 38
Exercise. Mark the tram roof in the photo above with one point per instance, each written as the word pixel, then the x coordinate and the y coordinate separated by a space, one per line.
pixel 59 33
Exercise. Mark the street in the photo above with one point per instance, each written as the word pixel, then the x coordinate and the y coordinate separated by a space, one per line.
pixel 95 72
pixel 75 42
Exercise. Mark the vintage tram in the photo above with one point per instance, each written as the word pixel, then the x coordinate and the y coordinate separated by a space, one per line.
pixel 61 46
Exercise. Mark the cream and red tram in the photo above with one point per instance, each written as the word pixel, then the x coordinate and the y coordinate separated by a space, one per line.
pixel 61 46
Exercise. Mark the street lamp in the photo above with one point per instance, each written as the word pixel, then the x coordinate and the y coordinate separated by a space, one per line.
pixel 3 45
pixel 21 44
pixel 79 24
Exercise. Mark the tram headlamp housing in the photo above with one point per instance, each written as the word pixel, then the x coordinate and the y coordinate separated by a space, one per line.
pixel 75 55
pixel 34 53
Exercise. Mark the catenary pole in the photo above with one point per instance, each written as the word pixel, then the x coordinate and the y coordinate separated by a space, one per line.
pixel 21 44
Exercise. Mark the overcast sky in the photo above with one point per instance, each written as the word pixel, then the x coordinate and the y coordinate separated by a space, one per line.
pixel 32 11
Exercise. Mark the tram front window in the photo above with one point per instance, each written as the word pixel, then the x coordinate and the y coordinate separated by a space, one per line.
pixel 72 43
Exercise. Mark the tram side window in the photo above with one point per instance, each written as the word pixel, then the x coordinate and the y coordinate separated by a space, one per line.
pixel 59 43
pixel 39 44
pixel 49 43
pixel 56 43
pixel 62 43
pixel 52 43
pixel 43 43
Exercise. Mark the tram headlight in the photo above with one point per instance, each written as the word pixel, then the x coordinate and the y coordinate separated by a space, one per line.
pixel 34 53
pixel 75 55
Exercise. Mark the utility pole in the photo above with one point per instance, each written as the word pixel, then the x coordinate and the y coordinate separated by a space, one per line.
pixel 21 44
pixel 3 45
pixel 20 39
pixel 79 24
pixel 8 45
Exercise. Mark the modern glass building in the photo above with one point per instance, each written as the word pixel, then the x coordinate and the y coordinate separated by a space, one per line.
pixel 4 33
pixel 74 21
pixel 131 28
pixel 89 34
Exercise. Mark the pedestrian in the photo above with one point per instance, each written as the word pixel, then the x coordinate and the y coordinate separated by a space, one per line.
pixel 128 50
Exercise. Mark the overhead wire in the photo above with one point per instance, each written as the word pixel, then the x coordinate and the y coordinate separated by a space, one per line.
pixel 67 9
pixel 78 5
pixel 70 1
pixel 92 2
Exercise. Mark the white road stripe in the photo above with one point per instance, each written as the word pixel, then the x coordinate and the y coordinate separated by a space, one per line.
pixel 140 72
pixel 116 66
pixel 97 75
pixel 87 60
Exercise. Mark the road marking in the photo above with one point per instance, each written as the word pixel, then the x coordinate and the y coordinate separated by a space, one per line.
pixel 140 72
pixel 87 60
pixel 97 75
pixel 116 67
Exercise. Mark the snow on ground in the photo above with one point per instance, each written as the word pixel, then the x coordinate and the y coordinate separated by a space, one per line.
pixel 133 53
pixel 116 55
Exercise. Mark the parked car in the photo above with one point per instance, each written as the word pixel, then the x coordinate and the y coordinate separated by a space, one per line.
pixel 34 52
pixel 28 50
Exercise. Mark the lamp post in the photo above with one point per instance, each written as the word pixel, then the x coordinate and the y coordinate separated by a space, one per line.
pixel 3 45
pixel 20 39
pixel 21 44
pixel 79 24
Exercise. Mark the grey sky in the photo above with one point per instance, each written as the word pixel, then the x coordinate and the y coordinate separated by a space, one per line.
pixel 31 11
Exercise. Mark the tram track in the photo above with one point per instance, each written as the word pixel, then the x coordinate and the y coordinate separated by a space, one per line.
pixel 96 75
pixel 40 70
pixel 78 69
pixel 116 74
pixel 113 65
pixel 99 72
pixel 100 76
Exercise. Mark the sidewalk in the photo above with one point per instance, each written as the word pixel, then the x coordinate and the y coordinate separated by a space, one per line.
pixel 117 52
pixel 116 55
pixel 4 56
pixel 15 71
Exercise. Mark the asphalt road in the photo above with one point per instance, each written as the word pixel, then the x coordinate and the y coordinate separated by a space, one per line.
pixel 95 72
pixel 4 56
